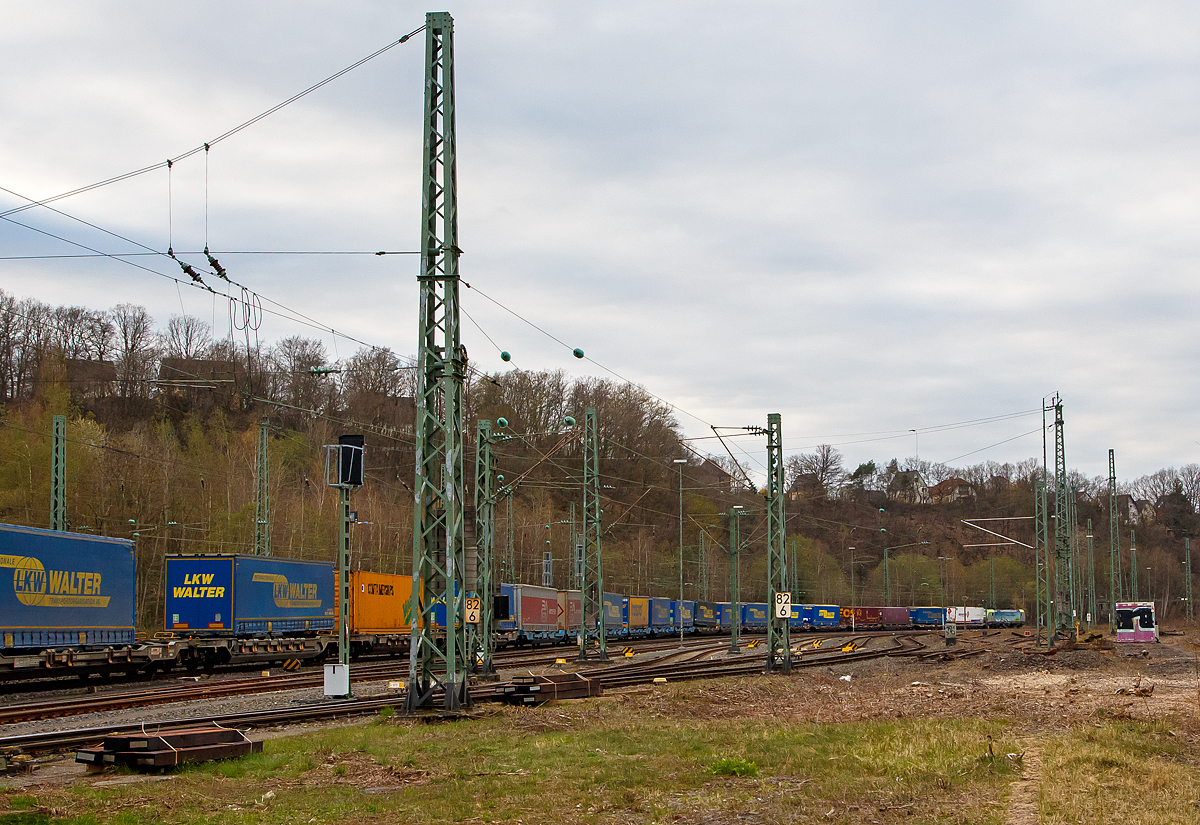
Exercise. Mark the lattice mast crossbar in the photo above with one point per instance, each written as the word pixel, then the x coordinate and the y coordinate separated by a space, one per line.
pixel 439 552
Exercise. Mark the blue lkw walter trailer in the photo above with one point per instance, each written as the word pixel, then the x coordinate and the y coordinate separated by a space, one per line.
pixel 249 595
pixel 660 615
pixel 754 616
pixel 614 614
pixel 65 590
pixel 683 614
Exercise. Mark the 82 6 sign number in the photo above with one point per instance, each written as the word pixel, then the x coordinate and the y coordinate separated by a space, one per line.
pixel 783 605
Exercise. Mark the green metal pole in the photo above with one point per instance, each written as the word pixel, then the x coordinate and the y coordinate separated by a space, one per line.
pixel 482 640
pixel 591 597
pixel 887 578
pixel 1093 614
pixel 779 647
pixel 58 473
pixel 1062 529
pixel 992 581
pixel 262 500
pixel 702 563
pixel 1044 606
pixel 679 462
pixel 344 579
pixel 735 546
pixel 1114 544
pixel 1133 573
pixel 439 554
pixel 1187 544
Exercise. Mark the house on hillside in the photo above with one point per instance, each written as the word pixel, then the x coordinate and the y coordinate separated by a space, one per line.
pixel 908 486
pixel 952 489
pixel 198 379
pixel 1146 511
pixel 90 379
pixel 1127 509
pixel 713 475
pixel 858 493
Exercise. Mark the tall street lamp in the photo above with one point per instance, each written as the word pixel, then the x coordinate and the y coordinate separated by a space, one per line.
pixel 679 462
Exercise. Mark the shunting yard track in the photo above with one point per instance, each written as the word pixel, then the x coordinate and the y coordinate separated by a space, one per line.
pixel 213 689
pixel 685 664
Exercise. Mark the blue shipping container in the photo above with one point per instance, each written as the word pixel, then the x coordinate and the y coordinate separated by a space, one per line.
pixel 684 618
pixel 708 615
pixel 249 594
pixel 506 592
pixel 927 616
pixel 820 615
pixel 660 613
pixel 614 618
pixel 725 614
pixel 754 616
pixel 68 589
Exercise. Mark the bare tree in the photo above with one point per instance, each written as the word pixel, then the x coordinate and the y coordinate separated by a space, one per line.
pixel 187 337
pixel 136 354
pixel 1155 485
pixel 819 471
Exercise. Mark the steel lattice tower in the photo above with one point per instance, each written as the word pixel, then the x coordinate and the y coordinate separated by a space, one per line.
pixel 1114 544
pixel 779 647
pixel 262 501
pixel 591 597
pixel 438 543
pixel 482 643
pixel 58 473
pixel 735 572
pixel 1093 606
pixel 1041 556
pixel 1063 595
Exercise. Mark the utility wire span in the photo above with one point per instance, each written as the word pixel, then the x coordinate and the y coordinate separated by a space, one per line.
pixel 203 147
pixel 222 253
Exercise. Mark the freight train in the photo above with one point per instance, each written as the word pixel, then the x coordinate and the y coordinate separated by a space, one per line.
pixel 71 611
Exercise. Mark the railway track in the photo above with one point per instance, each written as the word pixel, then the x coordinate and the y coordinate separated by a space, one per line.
pixel 60 707
pixel 685 665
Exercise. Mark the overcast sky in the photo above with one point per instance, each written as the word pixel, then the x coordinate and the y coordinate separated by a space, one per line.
pixel 871 217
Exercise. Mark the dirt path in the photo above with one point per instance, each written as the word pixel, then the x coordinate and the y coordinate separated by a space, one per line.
pixel 1026 791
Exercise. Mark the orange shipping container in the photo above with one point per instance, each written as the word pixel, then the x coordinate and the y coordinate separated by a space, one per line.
pixel 569 610
pixel 380 603
pixel 639 612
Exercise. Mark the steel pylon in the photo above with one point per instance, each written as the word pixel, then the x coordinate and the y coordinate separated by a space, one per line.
pixel 591 596
pixel 1114 544
pixel 481 639
pixel 439 554
pixel 779 647
pixel 262 499
pixel 1064 597
pixel 58 473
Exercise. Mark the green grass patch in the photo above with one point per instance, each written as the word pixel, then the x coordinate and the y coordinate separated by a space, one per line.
pixel 733 767
pixel 1119 771
pixel 579 763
